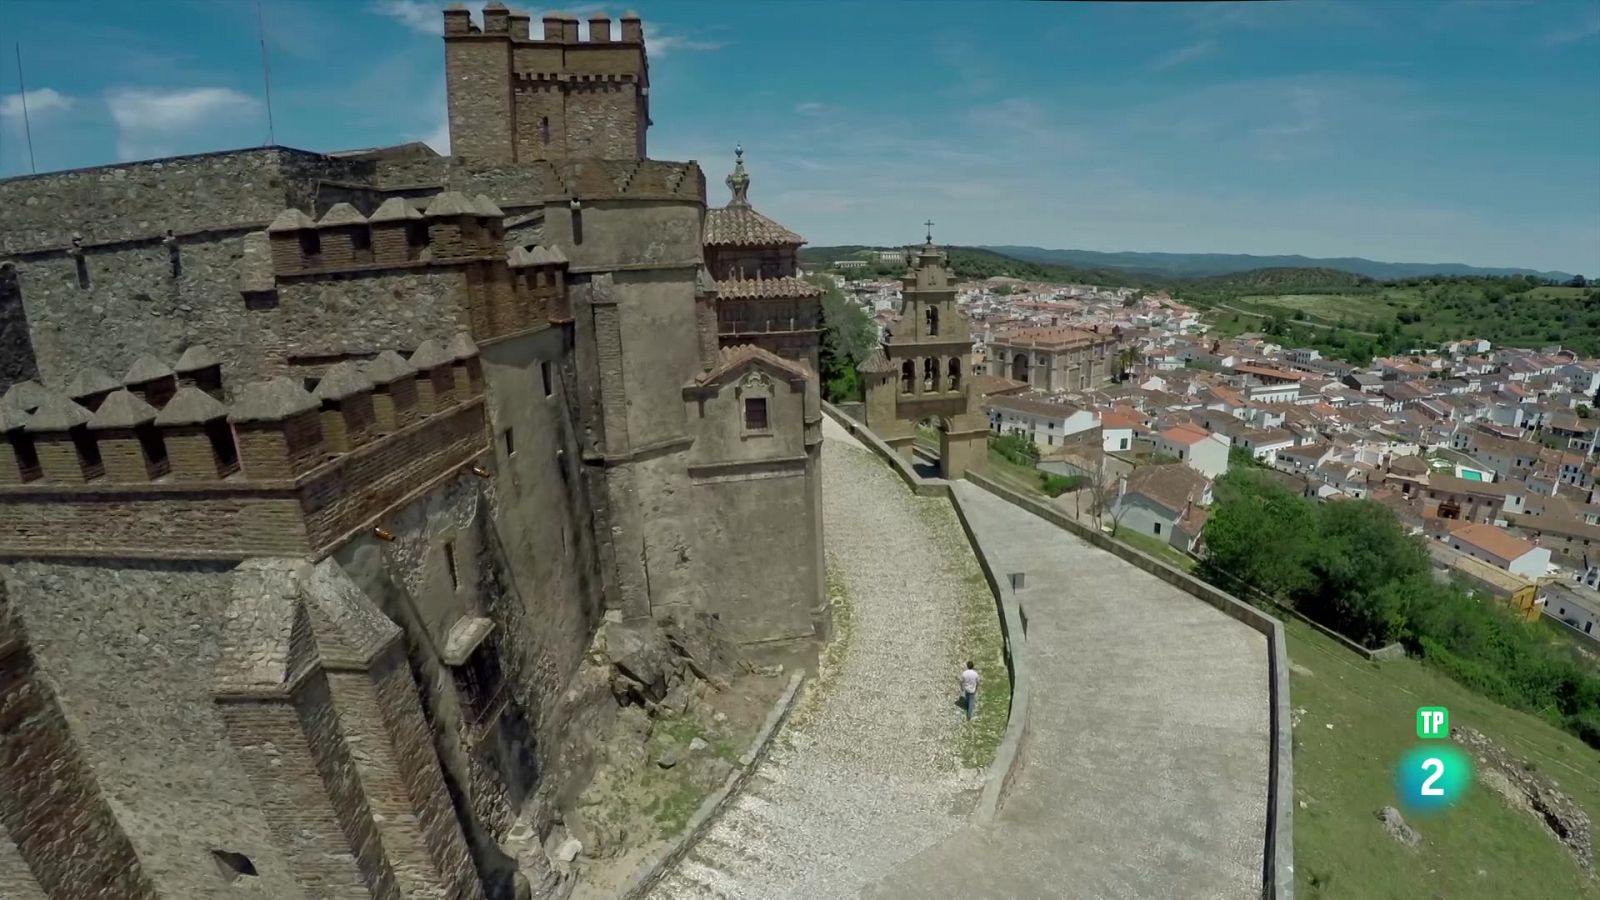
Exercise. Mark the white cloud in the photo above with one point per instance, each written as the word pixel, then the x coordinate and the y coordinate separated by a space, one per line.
pixel 40 102
pixel 659 43
pixel 1186 54
pixel 811 108
pixel 156 123
pixel 417 15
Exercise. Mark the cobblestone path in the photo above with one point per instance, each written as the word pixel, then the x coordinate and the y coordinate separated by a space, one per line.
pixel 865 775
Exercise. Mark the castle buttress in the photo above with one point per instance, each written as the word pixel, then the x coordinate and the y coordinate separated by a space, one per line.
pixel 320 472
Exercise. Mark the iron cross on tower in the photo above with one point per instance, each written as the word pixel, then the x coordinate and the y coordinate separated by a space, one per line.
pixel 929 223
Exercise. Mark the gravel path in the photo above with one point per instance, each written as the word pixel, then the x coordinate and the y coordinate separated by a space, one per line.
pixel 865 776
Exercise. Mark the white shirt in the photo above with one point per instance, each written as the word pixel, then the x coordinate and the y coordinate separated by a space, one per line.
pixel 969 681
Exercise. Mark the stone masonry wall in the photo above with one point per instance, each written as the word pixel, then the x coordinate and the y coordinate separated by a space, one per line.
pixel 130 649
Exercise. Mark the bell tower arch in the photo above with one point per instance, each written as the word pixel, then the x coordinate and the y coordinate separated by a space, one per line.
pixel 920 374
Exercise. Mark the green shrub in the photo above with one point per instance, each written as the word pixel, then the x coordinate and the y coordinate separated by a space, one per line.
pixel 1056 485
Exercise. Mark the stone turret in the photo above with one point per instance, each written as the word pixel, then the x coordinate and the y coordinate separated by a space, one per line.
pixel 66 450
pixel 279 427
pixel 398 234
pixel 347 415
pixel 199 367
pixel 295 243
pixel 394 394
pixel 131 447
pixel 153 380
pixel 90 386
pixel 435 382
pixel 19 462
pixel 452 225
pixel 465 367
pixel 25 396
pixel 199 443
pixel 342 231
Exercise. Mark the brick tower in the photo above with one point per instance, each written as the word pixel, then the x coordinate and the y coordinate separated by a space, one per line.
pixel 519 98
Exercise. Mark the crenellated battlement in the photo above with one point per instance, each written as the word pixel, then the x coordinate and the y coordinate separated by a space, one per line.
pixel 160 465
pixel 519 95
pixel 452 227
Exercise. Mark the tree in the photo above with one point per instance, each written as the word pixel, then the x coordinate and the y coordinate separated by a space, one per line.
pixel 1259 534
pixel 847 337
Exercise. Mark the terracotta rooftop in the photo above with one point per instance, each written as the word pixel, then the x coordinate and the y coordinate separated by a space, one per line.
pixel 1033 405
pixel 1492 540
pixel 786 288
pixel 742 226
pixel 1265 372
pixel 1185 433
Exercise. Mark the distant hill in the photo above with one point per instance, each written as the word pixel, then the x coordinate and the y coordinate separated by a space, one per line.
pixel 1286 280
pixel 1199 265
pixel 978 262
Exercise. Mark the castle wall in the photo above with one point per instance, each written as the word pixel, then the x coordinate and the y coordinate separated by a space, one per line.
pixel 478 82
pixel 130 649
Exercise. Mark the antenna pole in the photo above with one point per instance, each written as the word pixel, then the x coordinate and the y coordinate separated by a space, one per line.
pixel 266 72
pixel 27 127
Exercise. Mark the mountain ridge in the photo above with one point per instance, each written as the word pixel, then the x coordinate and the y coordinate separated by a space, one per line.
pixel 1201 265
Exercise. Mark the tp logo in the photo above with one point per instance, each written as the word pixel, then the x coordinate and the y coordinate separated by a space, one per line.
pixel 1433 723
pixel 1432 777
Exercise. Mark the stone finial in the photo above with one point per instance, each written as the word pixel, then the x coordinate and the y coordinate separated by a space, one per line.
pixel 197 357
pixel 342 214
pixel 57 413
pixel 190 406
pixel 90 381
pixel 450 203
pixel 394 209
pixel 272 401
pixel 518 257
pixel 290 220
pixel 739 181
pixel 389 367
pixel 429 355
pixel 122 409
pixel 25 396
pixel 538 256
pixel 461 347
pixel 341 381
pixel 556 256
pixel 147 368
pixel 486 207
pixel 703 282
pixel 12 419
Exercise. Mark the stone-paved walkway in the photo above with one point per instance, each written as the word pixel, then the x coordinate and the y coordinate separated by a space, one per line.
pixel 1145 771
pixel 863 780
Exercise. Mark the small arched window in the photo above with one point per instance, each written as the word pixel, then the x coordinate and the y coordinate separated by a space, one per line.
pixel 544 130
pixel 930 374
pixel 933 320
pixel 908 377
pixel 955 374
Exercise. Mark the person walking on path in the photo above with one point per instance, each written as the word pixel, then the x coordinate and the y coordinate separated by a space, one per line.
pixel 969 690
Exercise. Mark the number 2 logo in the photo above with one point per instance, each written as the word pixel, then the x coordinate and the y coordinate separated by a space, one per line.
pixel 1436 766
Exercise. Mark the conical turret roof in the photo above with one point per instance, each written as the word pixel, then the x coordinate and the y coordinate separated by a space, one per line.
pixel 147 368
pixel 341 381
pixel 342 214
pixel 57 413
pixel 90 380
pixel 122 409
pixel 388 368
pixel 190 406
pixel 429 355
pixel 25 396
pixel 272 401
pixel 196 358
pixel 290 220
pixel 395 209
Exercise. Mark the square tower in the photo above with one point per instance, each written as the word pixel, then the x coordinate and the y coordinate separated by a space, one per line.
pixel 516 97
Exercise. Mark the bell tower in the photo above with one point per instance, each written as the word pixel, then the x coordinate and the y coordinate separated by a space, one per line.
pixel 922 373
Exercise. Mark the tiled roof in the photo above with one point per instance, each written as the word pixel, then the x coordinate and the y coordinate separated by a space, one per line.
pixel 731 358
pixel 1049 338
pixel 1185 434
pixel 787 287
pixel 875 361
pixel 1492 539
pixel 741 226
pixel 1172 485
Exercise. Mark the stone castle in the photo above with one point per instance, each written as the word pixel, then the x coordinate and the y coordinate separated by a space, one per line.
pixel 320 471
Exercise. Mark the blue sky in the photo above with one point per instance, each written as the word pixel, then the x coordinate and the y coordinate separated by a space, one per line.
pixel 1435 132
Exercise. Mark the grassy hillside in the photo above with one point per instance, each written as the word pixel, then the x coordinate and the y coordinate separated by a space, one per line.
pixel 972 262
pixel 1358 719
